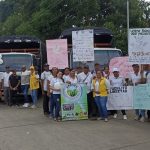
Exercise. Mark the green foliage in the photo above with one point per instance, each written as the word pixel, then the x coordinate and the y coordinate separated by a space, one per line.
pixel 46 19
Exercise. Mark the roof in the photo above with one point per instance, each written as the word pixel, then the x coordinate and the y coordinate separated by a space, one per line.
pixel 97 31
pixel 18 38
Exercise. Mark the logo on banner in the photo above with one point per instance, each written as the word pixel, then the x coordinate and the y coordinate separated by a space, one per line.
pixel 72 91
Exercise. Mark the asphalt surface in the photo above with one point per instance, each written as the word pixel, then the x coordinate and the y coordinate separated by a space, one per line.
pixel 29 129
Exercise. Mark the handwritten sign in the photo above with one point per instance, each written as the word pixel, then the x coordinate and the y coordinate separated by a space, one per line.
pixel 139 45
pixel 83 45
pixel 141 96
pixel 122 64
pixel 57 54
pixel 120 98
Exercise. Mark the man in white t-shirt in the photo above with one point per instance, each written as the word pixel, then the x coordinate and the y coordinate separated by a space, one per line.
pixel 44 80
pixel 117 81
pixel 86 78
pixel 135 78
pixel 5 83
pixel 25 76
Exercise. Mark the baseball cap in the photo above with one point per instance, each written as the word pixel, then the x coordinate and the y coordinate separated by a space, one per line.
pixel 115 70
pixel 46 64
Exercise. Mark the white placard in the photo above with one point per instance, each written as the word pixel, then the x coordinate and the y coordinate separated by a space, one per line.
pixel 120 98
pixel 139 45
pixel 83 45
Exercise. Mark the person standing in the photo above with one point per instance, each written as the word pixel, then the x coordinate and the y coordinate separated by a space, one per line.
pixel 5 85
pixel 117 81
pixel 44 79
pixel 14 83
pixel 25 75
pixel 100 88
pixel 66 74
pixel 86 78
pixel 34 86
pixel 72 79
pixel 55 86
pixel 135 79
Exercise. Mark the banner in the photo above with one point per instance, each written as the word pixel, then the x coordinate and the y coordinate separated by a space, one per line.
pixel 74 102
pixel 141 96
pixel 83 45
pixel 120 98
pixel 57 55
pixel 122 64
pixel 139 45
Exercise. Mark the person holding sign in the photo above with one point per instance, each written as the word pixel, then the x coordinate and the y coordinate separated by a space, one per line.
pixel 55 86
pixel 135 78
pixel 117 81
pixel 100 88
pixel 86 78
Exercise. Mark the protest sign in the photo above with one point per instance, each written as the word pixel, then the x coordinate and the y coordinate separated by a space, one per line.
pixel 139 45
pixel 141 96
pixel 74 102
pixel 122 64
pixel 83 45
pixel 120 98
pixel 57 54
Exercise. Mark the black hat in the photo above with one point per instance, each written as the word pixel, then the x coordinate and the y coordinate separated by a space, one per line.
pixel 135 65
pixel 46 64
pixel 7 67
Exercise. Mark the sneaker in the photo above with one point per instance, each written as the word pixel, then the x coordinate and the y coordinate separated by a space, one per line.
pixel 99 118
pixel 25 105
pixel 124 117
pixel 142 119
pixel 33 106
pixel 115 116
pixel 106 120
pixel 136 118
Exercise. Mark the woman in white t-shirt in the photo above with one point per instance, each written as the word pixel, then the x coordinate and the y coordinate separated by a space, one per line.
pixel 71 79
pixel 55 86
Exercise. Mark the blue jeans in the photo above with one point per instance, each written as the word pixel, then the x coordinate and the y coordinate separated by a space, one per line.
pixel 52 105
pixel 101 102
pixel 56 99
pixel 34 96
pixel 24 89
pixel 140 112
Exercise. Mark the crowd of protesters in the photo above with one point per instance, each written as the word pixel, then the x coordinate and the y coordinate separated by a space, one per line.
pixel 97 81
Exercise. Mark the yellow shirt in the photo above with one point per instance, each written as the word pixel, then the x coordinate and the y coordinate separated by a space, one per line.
pixel 102 87
pixel 34 81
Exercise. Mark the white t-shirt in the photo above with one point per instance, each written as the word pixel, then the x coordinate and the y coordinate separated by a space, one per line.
pixel 134 78
pixel 117 82
pixel 46 75
pixel 6 78
pixel 56 83
pixel 25 77
pixel 85 78
pixel 65 77
pixel 73 81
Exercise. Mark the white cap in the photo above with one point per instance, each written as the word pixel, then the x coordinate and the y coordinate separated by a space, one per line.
pixel 115 69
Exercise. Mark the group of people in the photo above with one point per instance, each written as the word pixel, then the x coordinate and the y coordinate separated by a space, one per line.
pixel 98 83
pixel 13 83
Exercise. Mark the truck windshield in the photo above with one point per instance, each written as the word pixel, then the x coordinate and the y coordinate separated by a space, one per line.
pixel 102 57
pixel 15 61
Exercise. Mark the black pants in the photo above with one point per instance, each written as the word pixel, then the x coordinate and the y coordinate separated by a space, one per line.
pixel 115 112
pixel 148 114
pixel 92 108
pixel 13 98
pixel 45 103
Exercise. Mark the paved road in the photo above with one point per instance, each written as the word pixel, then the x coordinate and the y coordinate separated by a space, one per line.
pixel 28 129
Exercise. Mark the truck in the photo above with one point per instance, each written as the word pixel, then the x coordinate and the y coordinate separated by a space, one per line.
pixel 16 51
pixel 104 49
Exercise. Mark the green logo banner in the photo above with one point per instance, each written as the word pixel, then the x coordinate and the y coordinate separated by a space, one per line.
pixel 74 102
